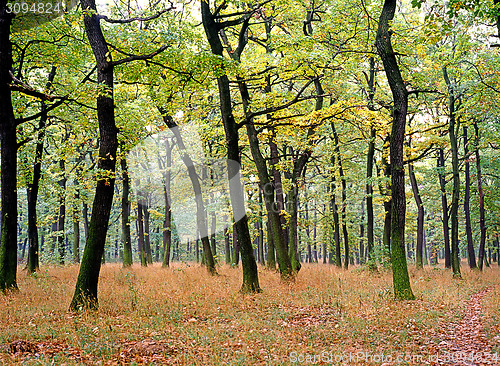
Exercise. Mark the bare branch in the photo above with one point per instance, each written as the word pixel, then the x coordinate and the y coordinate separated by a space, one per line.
pixel 136 19
pixel 139 57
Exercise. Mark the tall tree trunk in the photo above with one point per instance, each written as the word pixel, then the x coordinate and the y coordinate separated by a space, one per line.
pixel 468 226
pixel 167 222
pixel 401 280
pixel 362 234
pixel 76 228
pixel 62 214
pixel 386 192
pixel 147 236
pixel 369 171
pixel 420 218
pixel 227 247
pixel 250 273
pixel 285 260
pixel 201 216
pixel 344 196
pixel 236 251
pixel 85 295
pixel 482 226
pixel 308 232
pixel 271 255
pixel 127 241
pixel 8 165
pixel 336 221
pixel 452 131
pixel 444 208
pixel 140 231
pixel 32 188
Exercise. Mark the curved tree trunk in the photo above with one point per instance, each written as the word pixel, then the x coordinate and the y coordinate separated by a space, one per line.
pixel 402 288
pixel 85 295
pixel 201 215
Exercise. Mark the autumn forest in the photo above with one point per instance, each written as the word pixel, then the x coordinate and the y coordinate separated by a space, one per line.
pixel 273 182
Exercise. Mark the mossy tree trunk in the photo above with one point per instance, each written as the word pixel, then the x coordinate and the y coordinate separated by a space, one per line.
pixel 401 280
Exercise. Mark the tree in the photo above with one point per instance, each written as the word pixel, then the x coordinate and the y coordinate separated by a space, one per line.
pixel 401 281
pixel 250 274
pixel 454 125
pixel 8 165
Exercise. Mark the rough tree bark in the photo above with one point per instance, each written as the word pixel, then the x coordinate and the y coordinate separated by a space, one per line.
pixel 8 164
pixel 127 241
pixel 343 183
pixel 401 280
pixel 32 188
pixel 482 225
pixel 167 222
pixel 454 125
pixel 444 207
pixel 420 218
pixel 468 226
pixel 85 295
pixel 250 273
pixel 369 172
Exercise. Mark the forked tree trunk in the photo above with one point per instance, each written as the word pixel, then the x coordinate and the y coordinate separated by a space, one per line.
pixel 250 273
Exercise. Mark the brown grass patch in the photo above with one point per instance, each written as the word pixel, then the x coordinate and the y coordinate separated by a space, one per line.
pixel 183 316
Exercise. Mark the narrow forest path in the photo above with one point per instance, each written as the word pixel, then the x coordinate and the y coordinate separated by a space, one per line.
pixel 465 343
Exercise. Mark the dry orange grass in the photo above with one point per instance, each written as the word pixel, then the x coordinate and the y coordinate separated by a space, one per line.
pixel 183 316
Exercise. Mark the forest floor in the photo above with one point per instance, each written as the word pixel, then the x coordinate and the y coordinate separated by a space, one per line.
pixel 183 316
